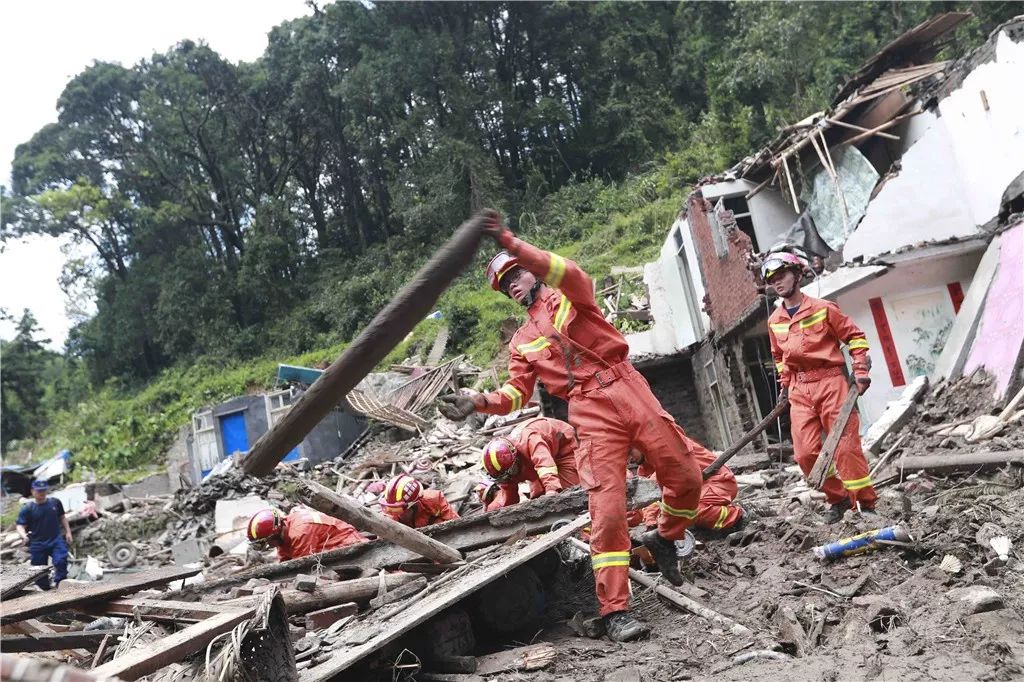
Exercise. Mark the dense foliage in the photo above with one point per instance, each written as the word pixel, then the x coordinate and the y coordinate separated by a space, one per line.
pixel 260 210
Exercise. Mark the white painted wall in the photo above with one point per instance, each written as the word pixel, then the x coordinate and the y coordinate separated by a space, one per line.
pixel 953 176
pixel 673 311
pixel 914 296
pixel 769 211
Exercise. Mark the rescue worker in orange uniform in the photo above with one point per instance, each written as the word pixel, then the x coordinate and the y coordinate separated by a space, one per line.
pixel 568 345
pixel 717 511
pixel 806 334
pixel 541 452
pixel 302 532
pixel 406 501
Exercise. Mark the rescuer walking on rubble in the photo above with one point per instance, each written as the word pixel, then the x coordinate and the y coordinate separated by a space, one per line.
pixel 541 452
pixel 405 500
pixel 568 345
pixel 43 526
pixel 806 334
pixel 302 532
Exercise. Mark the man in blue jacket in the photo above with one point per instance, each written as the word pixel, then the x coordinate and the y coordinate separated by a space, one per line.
pixel 44 527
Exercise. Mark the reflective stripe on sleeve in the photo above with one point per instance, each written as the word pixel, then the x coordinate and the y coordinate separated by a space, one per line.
pixel 609 559
pixel 513 394
pixel 858 343
pixel 681 513
pixel 544 471
pixel 556 270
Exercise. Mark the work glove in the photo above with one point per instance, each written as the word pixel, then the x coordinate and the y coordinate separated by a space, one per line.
pixel 863 383
pixel 458 406
pixel 493 226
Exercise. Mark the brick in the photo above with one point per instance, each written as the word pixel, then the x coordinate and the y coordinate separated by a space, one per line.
pixel 324 618
pixel 237 592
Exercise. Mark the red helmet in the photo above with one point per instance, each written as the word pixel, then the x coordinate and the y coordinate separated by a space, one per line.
pixel 502 263
pixel 401 491
pixel 500 455
pixel 264 524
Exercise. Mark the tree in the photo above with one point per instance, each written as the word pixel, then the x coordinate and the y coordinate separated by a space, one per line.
pixel 22 386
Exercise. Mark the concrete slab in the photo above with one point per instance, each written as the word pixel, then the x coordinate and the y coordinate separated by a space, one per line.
pixel 157 484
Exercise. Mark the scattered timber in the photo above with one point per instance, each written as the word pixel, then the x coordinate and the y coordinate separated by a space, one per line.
pixel 347 509
pixel 962 461
pixel 435 602
pixel 55 641
pixel 69 596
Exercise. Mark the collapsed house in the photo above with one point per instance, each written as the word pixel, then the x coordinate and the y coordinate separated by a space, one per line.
pixel 908 188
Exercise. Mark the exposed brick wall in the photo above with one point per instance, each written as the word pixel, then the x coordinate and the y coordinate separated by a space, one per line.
pixel 729 286
pixel 672 383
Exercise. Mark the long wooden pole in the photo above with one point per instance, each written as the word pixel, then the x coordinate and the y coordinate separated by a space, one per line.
pixel 820 472
pixel 325 500
pixel 413 303
pixel 720 461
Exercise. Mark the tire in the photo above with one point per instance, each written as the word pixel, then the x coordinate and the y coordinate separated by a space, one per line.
pixel 122 555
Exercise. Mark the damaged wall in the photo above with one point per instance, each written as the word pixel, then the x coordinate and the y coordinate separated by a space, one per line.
pixel 672 382
pixel 908 310
pixel 953 175
pixel 999 342
pixel 720 380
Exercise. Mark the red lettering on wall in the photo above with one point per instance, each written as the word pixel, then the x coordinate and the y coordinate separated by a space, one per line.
pixel 892 358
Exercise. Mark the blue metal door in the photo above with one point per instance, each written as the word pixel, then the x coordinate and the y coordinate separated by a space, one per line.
pixel 232 430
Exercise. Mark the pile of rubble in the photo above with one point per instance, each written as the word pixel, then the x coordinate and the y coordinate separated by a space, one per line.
pixel 941 599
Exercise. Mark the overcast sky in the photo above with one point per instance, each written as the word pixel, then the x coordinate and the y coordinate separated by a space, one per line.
pixel 44 44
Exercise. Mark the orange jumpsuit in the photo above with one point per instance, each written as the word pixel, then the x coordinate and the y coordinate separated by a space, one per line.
pixel 431 508
pixel 307 531
pixel 568 345
pixel 810 363
pixel 716 510
pixel 547 460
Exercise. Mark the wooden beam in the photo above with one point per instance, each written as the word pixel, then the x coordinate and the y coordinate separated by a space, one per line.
pixel 385 331
pixel 434 602
pixel 844 124
pixel 824 465
pixel 464 534
pixel 962 461
pixel 37 628
pixel 157 610
pixel 350 510
pixel 361 590
pixel 750 435
pixel 70 596
pixel 161 653
pixel 58 640
pixel 877 129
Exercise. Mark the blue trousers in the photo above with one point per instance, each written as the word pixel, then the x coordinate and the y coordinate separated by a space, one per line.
pixel 41 552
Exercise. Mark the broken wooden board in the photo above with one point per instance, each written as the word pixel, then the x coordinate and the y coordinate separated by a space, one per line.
pixel 157 610
pixel 824 465
pixel 14 577
pixel 435 602
pixel 161 653
pixel 31 626
pixel 464 534
pixel 53 642
pixel 524 658
pixel 69 596
pixel 347 509
pixel 961 461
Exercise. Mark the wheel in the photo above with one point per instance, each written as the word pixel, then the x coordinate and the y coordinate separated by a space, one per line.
pixel 122 555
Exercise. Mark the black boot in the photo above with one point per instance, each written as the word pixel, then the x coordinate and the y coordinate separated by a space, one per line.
pixel 836 511
pixel 623 627
pixel 664 552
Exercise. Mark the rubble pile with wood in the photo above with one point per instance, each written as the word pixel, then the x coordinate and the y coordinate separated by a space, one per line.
pixel 506 594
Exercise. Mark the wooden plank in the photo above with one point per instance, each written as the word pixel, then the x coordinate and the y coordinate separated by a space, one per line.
pixel 962 461
pixel 167 611
pixel 434 602
pixel 30 626
pixel 70 596
pixel 465 534
pixel 532 657
pixel 57 640
pixel 750 435
pixel 361 590
pixel 163 652
pixel 385 331
pixel 13 577
pixel 826 458
pixel 348 509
